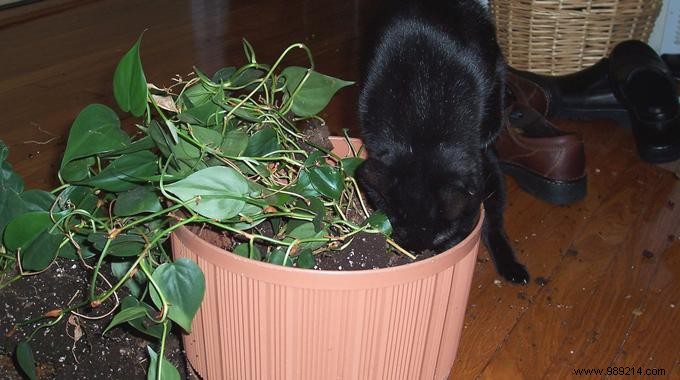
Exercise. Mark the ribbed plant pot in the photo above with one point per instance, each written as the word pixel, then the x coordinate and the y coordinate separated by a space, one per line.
pixel 263 321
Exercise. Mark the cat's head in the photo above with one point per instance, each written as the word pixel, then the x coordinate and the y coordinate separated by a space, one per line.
pixel 426 210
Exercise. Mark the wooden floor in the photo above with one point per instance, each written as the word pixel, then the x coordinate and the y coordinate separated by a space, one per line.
pixel 606 270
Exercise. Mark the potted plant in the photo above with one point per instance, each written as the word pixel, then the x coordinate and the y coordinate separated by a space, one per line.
pixel 232 155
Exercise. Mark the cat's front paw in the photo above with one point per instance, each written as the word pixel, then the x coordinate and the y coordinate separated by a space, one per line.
pixel 515 273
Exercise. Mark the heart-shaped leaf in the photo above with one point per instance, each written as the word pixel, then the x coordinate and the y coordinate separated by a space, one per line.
pixel 96 130
pixel 125 315
pixel 25 359
pixel 327 180
pixel 197 95
pixel 217 192
pixel 223 74
pixel 123 245
pixel 350 164
pixel 25 228
pixel 183 286
pixel 129 82
pixel 136 283
pixel 305 259
pixel 278 257
pixel 142 199
pixel 11 206
pixel 244 250
pixel 125 172
pixel 379 221
pixel 168 371
pixel 78 197
pixel 315 93
pixel 142 324
pixel 262 143
pixel 304 186
pixel 37 200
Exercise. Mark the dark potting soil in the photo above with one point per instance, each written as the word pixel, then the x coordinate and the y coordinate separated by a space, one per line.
pixel 366 251
pixel 75 347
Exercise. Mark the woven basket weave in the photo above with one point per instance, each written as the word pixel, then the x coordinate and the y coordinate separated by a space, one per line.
pixel 563 36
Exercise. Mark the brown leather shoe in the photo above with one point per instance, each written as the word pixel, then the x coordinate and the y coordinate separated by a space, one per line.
pixel 545 161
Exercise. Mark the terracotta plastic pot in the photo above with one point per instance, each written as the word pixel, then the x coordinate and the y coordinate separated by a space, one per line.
pixel 262 321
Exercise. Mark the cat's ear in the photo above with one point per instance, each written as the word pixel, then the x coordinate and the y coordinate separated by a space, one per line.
pixel 374 178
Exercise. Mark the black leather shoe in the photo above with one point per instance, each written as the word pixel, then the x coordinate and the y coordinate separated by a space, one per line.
pixel 583 95
pixel 643 83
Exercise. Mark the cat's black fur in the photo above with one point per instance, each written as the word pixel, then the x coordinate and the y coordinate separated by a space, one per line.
pixel 430 109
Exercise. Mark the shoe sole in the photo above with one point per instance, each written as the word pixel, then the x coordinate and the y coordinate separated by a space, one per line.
pixel 656 155
pixel 546 189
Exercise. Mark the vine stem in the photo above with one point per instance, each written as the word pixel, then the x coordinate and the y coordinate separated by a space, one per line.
pixel 271 72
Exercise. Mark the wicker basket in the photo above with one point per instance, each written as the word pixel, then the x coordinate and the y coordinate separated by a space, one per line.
pixel 563 36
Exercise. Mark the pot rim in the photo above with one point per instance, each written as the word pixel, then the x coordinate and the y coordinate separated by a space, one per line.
pixel 328 279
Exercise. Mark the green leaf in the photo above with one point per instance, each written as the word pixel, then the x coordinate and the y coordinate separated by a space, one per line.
pixel 278 257
pixel 262 142
pixel 315 93
pixel 223 74
pixel 315 208
pixel 144 143
pixel 297 229
pixel 304 186
pixel 79 197
pixel 305 259
pixel 96 130
pixel 242 250
pixel 168 371
pixel 123 245
pixel 327 180
pixel 68 251
pixel 25 228
pixel 126 315
pixel 77 169
pixel 379 221
pixel 30 233
pixel 40 253
pixel 9 180
pixel 183 285
pixel 301 230
pixel 350 164
pixel 120 268
pixel 25 359
pixel 11 206
pixel 143 324
pixel 221 192
pixel 197 95
pixel 234 143
pixel 243 77
pixel 129 82
pixel 207 114
pixel 37 200
pixel 126 172
pixel 4 151
pixel 142 199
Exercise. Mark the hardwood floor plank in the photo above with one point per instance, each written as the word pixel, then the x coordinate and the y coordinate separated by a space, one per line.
pixel 542 235
pixel 579 318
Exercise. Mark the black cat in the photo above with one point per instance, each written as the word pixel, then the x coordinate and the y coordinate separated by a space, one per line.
pixel 430 109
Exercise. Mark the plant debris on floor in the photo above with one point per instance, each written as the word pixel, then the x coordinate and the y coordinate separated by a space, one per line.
pixel 76 349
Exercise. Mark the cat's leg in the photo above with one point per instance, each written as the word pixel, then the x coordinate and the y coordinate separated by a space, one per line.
pixel 493 230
